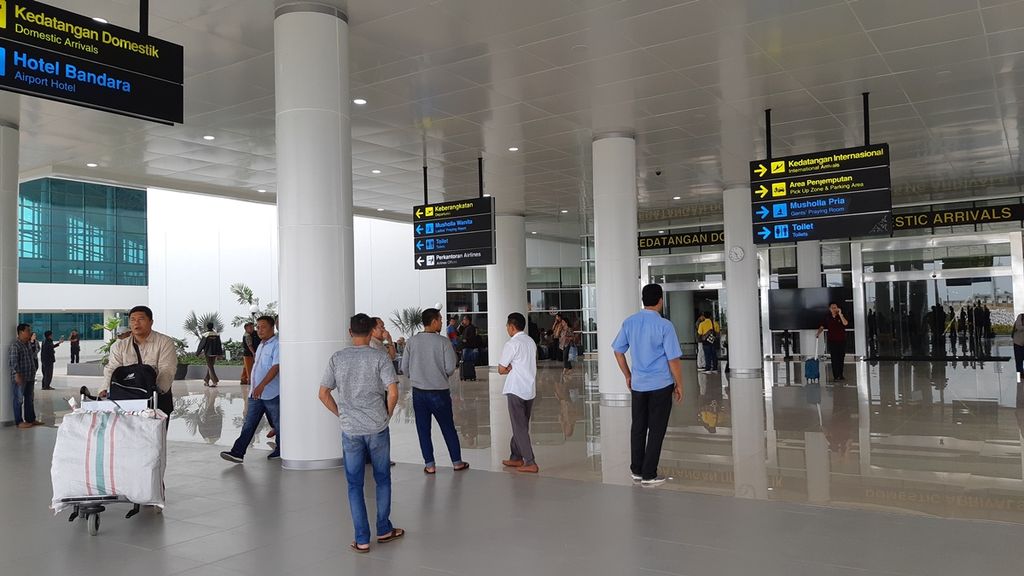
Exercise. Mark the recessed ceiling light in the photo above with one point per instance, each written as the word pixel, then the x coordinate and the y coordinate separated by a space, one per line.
pixel 943 72
pixel 532 232
pixel 677 197
pixel 359 101
pixel 91 164
pixel 380 209
pixel 375 171
pixel 100 20
pixel 661 231
pixel 565 211
pixel 209 137
pixel 487 195
pixel 261 190
pixel 513 149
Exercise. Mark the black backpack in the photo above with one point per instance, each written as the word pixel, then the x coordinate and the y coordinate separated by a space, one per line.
pixel 133 381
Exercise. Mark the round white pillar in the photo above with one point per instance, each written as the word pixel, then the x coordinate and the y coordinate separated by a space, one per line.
pixel 808 275
pixel 314 206
pixel 741 286
pixel 617 257
pixel 506 281
pixel 10 112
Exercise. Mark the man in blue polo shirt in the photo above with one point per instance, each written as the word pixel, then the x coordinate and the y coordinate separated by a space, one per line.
pixel 264 397
pixel 656 377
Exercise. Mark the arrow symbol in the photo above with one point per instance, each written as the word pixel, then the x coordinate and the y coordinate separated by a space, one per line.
pixel 419 229
pixel 419 245
pixel 761 170
pixel 419 213
pixel 763 212
pixel 419 261
pixel 765 233
pixel 762 192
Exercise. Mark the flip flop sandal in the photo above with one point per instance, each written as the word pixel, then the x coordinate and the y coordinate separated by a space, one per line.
pixel 461 467
pixel 393 535
pixel 356 548
pixel 430 472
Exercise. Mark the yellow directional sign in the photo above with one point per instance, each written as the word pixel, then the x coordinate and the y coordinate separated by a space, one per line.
pixel 760 170
pixel 762 191
pixel 778 189
pixel 778 167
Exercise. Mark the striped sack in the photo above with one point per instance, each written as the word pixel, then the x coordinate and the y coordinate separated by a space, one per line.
pixel 109 454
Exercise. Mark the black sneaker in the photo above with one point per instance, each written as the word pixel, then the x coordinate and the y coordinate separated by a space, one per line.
pixel 275 455
pixel 231 457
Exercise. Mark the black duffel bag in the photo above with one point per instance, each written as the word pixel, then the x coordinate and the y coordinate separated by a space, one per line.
pixel 133 381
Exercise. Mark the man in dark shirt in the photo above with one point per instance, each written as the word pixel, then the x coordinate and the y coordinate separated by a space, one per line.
pixel 470 344
pixel 21 361
pixel 836 324
pixel 48 358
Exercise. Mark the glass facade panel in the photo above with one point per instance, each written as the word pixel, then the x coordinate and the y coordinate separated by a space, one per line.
pixel 63 324
pixel 81 233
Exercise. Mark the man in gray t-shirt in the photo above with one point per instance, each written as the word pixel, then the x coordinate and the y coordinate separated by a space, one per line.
pixel 368 392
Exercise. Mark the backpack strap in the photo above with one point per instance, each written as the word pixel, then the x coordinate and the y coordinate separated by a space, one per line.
pixel 138 353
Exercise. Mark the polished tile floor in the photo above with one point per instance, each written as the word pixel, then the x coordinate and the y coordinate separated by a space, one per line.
pixel 880 459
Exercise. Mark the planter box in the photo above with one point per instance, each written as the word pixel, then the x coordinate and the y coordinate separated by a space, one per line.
pixel 85 369
pixel 184 371
pixel 223 372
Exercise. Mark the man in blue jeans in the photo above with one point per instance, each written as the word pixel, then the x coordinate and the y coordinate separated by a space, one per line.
pixel 654 349
pixel 367 393
pixel 264 397
pixel 429 361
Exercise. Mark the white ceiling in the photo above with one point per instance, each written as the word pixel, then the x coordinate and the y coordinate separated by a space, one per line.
pixel 473 77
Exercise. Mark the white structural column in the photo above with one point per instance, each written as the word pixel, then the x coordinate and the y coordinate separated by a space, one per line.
pixel 743 312
pixel 808 275
pixel 506 279
pixel 617 258
pixel 10 112
pixel 314 204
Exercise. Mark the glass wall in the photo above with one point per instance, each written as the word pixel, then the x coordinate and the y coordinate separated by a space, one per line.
pixel 63 324
pixel 81 233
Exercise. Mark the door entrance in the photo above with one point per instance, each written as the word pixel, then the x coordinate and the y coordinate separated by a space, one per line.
pixel 693 284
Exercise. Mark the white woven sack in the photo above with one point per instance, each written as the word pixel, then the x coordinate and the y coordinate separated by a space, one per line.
pixel 110 454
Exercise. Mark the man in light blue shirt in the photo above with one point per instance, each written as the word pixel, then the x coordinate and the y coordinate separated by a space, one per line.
pixel 656 377
pixel 264 397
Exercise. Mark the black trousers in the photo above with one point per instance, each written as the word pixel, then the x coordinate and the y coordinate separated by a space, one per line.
pixel 165 403
pixel 1018 358
pixel 837 350
pixel 76 355
pixel 650 421
pixel 47 374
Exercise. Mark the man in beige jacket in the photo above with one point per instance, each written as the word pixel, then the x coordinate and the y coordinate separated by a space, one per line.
pixel 157 350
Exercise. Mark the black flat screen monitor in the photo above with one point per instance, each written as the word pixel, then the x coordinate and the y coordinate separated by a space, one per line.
pixel 805 308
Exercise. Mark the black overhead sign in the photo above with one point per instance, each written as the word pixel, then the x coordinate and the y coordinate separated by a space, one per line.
pixel 454 234
pixel 60 55
pixel 834 194
pixel 663 241
pixel 959 217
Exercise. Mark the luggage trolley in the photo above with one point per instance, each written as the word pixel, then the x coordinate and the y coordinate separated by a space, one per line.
pixel 89 508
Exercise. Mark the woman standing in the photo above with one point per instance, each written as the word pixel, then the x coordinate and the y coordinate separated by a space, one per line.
pixel 211 347
pixel 76 347
pixel 566 341
pixel 1018 345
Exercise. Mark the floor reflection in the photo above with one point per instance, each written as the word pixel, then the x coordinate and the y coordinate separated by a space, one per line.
pixel 943 438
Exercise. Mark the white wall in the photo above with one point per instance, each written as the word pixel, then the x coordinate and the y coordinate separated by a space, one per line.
pixel 79 297
pixel 541 253
pixel 386 278
pixel 199 245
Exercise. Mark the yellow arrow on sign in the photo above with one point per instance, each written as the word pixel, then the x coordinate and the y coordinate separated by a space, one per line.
pixel 419 213
pixel 762 191
pixel 761 170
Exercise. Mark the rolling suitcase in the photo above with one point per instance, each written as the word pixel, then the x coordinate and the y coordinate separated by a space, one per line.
pixel 812 377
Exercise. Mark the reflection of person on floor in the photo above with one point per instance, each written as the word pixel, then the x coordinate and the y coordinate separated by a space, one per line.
pixel 835 323
pixel 709 402
pixel 839 431
pixel 566 407
pixel 518 364
pixel 1018 346
pixel 654 380
pixel 211 417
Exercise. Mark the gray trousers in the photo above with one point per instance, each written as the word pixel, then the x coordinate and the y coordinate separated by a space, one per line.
pixel 519 411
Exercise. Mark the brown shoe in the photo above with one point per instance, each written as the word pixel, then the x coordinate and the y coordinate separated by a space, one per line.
pixel 512 463
pixel 24 426
pixel 531 469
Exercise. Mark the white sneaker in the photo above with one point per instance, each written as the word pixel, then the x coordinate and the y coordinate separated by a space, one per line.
pixel 653 482
pixel 636 477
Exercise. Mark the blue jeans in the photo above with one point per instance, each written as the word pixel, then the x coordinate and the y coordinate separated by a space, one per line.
pixel 253 414
pixel 24 396
pixel 356 448
pixel 710 356
pixel 437 404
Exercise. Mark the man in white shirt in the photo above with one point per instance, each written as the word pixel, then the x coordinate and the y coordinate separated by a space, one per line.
pixel 518 364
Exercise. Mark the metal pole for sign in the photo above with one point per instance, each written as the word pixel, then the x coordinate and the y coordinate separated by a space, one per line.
pixel 768 132
pixel 480 175
pixel 867 119
pixel 425 199
pixel 144 17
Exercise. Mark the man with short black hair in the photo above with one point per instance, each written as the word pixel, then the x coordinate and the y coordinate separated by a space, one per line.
pixel 21 360
pixel 429 361
pixel 368 391
pixel 835 323
pixel 250 342
pixel 157 350
pixel 518 364
pixel 48 358
pixel 656 359
pixel 264 396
